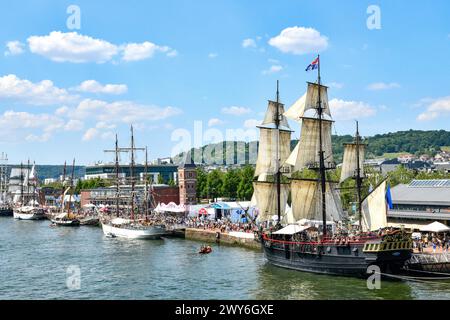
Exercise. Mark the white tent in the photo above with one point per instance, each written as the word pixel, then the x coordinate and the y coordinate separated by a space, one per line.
pixel 291 229
pixel 435 227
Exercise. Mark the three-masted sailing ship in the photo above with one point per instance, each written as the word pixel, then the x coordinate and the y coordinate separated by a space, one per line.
pixel 29 207
pixel 312 234
pixel 128 222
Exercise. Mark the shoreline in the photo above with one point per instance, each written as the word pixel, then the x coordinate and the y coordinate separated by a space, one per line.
pixel 225 238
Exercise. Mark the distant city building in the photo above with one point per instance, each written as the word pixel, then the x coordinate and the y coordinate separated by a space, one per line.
pixel 159 193
pixel 420 202
pixel 108 171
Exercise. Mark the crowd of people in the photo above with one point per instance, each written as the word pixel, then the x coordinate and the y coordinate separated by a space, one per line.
pixel 432 243
pixel 220 225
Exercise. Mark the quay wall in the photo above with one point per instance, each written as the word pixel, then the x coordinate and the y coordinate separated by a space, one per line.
pixel 225 238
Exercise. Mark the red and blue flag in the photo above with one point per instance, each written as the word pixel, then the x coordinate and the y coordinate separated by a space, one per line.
pixel 314 65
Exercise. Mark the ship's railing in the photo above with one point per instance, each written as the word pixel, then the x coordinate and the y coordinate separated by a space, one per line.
pixel 328 241
pixel 430 258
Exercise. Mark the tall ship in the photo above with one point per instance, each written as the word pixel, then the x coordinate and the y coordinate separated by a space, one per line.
pixel 313 234
pixel 6 209
pixel 66 218
pixel 26 197
pixel 130 219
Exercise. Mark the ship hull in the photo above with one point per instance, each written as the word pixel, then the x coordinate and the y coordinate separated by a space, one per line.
pixel 66 223
pixel 148 233
pixel 29 216
pixel 345 261
pixel 6 212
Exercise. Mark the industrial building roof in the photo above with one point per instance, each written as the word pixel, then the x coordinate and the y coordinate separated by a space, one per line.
pixel 422 192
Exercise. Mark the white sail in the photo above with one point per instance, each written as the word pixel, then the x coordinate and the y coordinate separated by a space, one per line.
pixel 267 156
pixel 307 201
pixel 266 199
pixel 349 163
pixel 310 100
pixel 307 151
pixel 270 116
pixel 374 209
pixel 288 217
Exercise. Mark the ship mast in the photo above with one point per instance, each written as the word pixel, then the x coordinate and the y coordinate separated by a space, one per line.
pixel 35 183
pixel 277 164
pixel 63 188
pixel 28 180
pixel 358 175
pixel 21 183
pixel 132 173
pixel 146 183
pixel 71 187
pixel 117 176
pixel 322 169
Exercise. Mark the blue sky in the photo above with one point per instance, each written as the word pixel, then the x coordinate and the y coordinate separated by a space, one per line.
pixel 162 65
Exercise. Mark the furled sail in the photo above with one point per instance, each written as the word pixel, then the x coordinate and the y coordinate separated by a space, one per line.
pixel 267 156
pixel 310 100
pixel 307 151
pixel 307 201
pixel 266 198
pixel 349 163
pixel 374 209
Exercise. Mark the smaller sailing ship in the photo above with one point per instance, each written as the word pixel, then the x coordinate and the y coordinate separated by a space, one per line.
pixel 6 209
pixel 128 223
pixel 29 207
pixel 66 218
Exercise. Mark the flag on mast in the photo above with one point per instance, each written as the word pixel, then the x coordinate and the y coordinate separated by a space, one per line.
pixel 314 65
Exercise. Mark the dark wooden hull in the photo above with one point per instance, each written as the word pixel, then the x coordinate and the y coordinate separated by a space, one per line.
pixel 6 212
pixel 347 260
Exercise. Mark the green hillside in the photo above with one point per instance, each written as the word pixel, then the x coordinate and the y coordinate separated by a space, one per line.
pixel 389 144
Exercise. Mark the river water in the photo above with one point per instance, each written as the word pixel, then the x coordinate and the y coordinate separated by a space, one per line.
pixel 39 262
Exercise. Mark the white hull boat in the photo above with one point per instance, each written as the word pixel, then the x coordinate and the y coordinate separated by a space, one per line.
pixel 130 231
pixel 26 213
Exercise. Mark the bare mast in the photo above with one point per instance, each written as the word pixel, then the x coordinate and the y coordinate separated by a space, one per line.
pixel 277 163
pixel 322 169
pixel 358 175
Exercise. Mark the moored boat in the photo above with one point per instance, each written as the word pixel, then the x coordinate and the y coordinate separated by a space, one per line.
pixel 315 236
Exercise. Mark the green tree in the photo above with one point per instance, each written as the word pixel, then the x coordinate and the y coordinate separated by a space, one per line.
pixel 245 187
pixel 214 183
pixel 230 184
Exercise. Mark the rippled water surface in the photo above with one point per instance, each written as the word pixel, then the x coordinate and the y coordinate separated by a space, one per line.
pixel 34 262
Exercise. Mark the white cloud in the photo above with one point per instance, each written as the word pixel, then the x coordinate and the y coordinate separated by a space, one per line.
pixel 74 125
pixel 72 47
pixel 14 48
pixel 121 112
pixel 249 43
pixel 236 111
pixel 40 93
pixel 96 87
pixel 212 55
pixel 62 111
pixel 77 48
pixel 335 85
pixel 437 108
pixel 382 86
pixel 90 134
pixel 299 40
pixel 15 126
pixel 145 50
pixel 273 69
pixel 350 110
pixel 215 122
pixel 252 123
pixel 104 125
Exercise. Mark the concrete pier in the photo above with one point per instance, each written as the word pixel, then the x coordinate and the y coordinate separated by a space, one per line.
pixel 225 238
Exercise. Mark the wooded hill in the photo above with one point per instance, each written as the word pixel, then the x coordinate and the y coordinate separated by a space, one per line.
pixel 413 141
